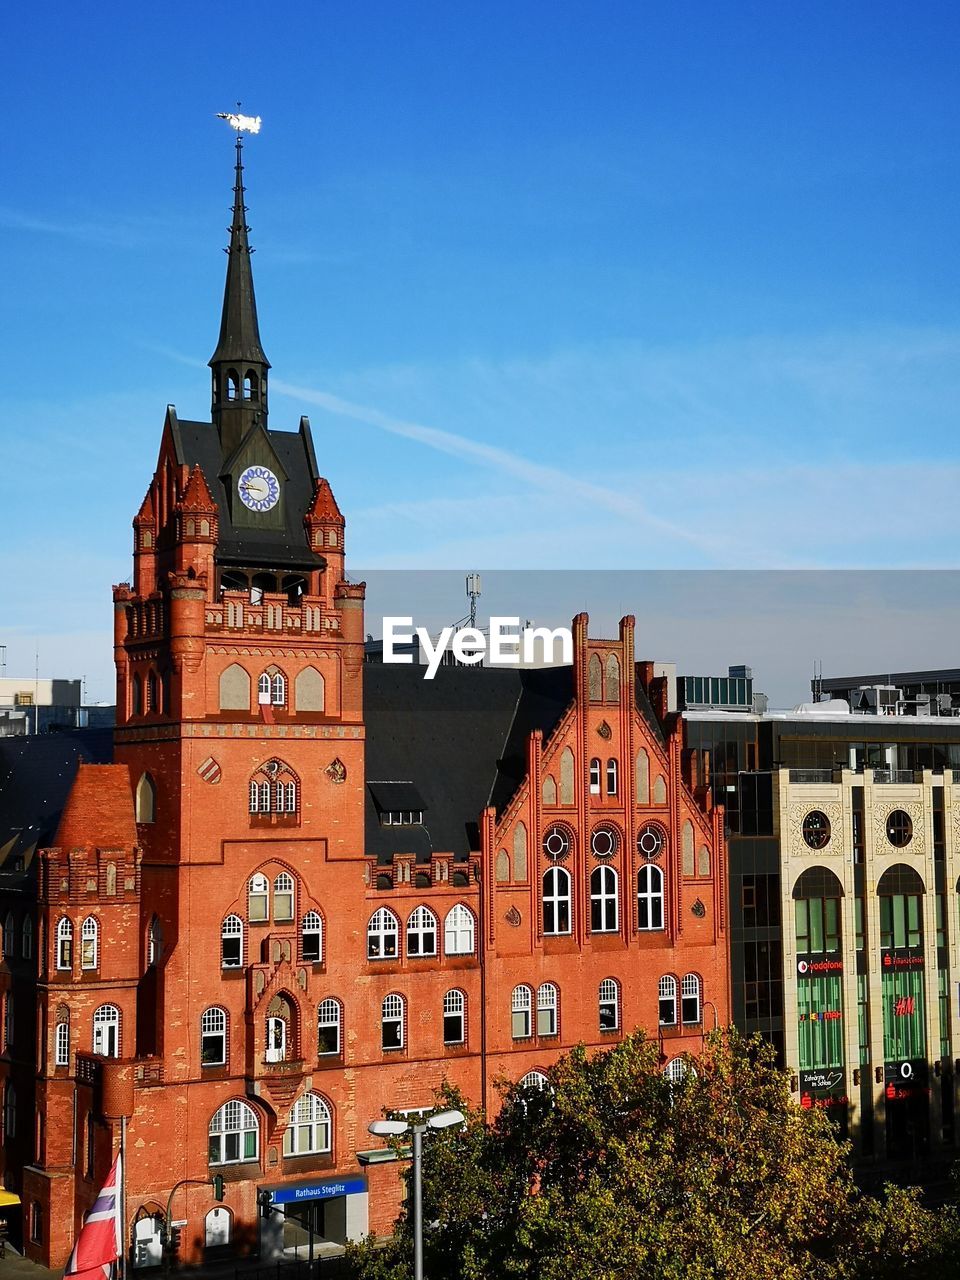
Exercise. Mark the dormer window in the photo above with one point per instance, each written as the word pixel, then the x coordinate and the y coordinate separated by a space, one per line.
pixel 402 818
pixel 398 804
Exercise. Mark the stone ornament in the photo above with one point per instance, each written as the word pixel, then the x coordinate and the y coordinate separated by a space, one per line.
pixel 833 810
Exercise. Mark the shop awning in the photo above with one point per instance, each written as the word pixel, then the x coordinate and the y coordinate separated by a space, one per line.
pixel 8 1197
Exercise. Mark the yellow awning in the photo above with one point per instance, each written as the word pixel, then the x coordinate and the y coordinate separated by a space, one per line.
pixel 8 1197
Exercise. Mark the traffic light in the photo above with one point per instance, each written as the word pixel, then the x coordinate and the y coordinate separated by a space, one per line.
pixel 265 1200
pixel 218 1186
pixel 175 1231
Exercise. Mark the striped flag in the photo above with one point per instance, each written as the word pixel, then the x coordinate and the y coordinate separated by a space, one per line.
pixel 99 1243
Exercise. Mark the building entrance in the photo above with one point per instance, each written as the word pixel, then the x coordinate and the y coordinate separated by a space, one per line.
pixel 305 1219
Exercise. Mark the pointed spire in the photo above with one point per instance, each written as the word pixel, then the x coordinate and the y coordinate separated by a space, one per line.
pixel 239 364
pixel 197 495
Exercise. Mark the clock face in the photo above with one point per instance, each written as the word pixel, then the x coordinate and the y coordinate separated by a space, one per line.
pixel 259 488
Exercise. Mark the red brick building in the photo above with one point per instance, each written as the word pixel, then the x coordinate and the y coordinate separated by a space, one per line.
pixel 307 889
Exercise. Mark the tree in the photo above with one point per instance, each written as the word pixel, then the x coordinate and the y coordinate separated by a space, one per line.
pixel 616 1172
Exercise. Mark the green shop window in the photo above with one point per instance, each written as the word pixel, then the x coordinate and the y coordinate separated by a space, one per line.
pixel 820 1022
pixel 904 1034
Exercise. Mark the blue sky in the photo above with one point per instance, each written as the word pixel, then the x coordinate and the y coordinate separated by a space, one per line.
pixel 561 285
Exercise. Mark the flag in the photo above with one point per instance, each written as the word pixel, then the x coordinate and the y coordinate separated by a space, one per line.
pixel 99 1243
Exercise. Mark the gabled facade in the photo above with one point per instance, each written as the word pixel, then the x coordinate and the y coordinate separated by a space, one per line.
pixel 259 929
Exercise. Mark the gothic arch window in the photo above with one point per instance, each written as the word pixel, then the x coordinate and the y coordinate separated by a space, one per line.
pixel 667 996
pixel 502 867
pixel 258 898
pixel 213 1037
pixel 146 799
pixel 649 898
pixel 549 790
pixel 459 929
pixel 136 696
pixel 686 846
pixel 566 776
pixel 234 1134
pixel 557 898
pixel 153 694
pixel 89 943
pixel 611 679
pixel 231 943
pixel 520 852
pixel 311 938
pixel 391 1022
pixel 547 1001
pixel 235 683
pixel 329 1026
pixel 660 790
pixel 274 789
pixel 454 1017
pixel 595 768
pixel 608 1001
pixel 383 935
pixel 422 933
pixel 595 678
pixel 281 1042
pixel 106 1031
pixel 643 777
pixel 703 861
pixel 65 944
pixel 613 781
pixel 283 897
pixel 309 1130
pixel 278 689
pixel 309 690
pixel 604 899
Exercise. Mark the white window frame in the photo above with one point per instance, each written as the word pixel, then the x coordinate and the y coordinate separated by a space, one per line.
pixel 231 928
pixel 312 927
pixel 284 895
pixel 691 1013
pixel 90 943
pixel 329 1014
pixel 106 1019
pixel 604 900
pixel 234 1120
pixel 309 1129
pixel 667 998
pixel 650 899
pixel 608 998
pixel 521 1012
pixel 595 773
pixel 613 777
pixel 392 1014
pixel 285 796
pixel 459 931
pixel 213 1031
pixel 548 1000
pixel 383 932
pixel 454 1014
pixel 557 902
pixel 258 898
pixel 278 690
pixel 61 1045
pixel 64 944
pixel 422 930
pixel 278 1035
pixel 534 1080
pixel 263 689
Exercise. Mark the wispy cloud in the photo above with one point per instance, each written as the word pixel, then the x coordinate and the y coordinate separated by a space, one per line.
pixel 121 232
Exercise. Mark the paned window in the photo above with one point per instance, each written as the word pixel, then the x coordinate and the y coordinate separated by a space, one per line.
pixel 603 900
pixel 263 689
pixel 383 935
pixel 283 895
pixel 690 1000
pixel 668 1001
pixel 454 1020
pixel 818 925
pixel 311 938
pixel 595 776
pixel 547 1010
pixel 286 797
pixel 258 899
pixel 106 1031
pixel 65 944
pixel 608 996
pixel 649 898
pixel 556 901
pixel 391 1022
pixel 213 1037
pixel 231 943
pixel 234 1134
pixel 278 690
pixel 328 1026
pixel 458 931
pixel 89 943
pixel 612 777
pixel 309 1129
pixel 534 1080
pixel 521 1011
pixel 61 1045
pixel 422 933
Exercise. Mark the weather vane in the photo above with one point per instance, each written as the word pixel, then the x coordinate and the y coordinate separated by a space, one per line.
pixel 242 124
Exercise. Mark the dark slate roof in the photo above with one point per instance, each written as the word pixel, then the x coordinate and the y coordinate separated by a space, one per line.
pixel 395 796
pixel 459 739
pixel 198 443
pixel 36 773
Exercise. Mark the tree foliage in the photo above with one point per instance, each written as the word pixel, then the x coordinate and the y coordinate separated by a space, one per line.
pixel 617 1173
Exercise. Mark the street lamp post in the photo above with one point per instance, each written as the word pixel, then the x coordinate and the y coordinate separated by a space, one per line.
pixel 396 1129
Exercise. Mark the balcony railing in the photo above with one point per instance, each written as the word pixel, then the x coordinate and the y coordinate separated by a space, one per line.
pixel 811 775
pixel 893 775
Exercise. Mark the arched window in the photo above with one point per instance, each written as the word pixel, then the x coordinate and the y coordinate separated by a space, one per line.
pixel 283 904
pixel 556 901
pixel 677 1069
pixel 329 1021
pixel 309 689
pixel 595 776
pixel 458 931
pixel 703 861
pixel 690 1000
pixel 309 1129
pixel 549 790
pixel 603 900
pixel 454 1017
pixel 234 1134
pixel 608 998
pixel 89 943
pixel 643 777
pixel 311 938
pixel 106 1031
pixel 667 993
pixel 649 898
pixel 246 386
pixel 521 1007
pixel 391 1022
pixel 520 852
pixel 383 935
pixel 235 680
pixel 61 1041
pixel 534 1080
pixel 217 1228
pixel 8 932
pixel 213 1038
pixel 154 941
pixel 595 678
pixel 547 1010
pixel 263 689
pixel 65 944
pixel 502 867
pixel 273 789
pixel 566 776
pixel 278 1031
pixel 233 383
pixel 146 799
pixel 422 933
pixel 251 385
pixel 258 898
pixel 611 679
pixel 231 943
pixel 136 696
pixel 686 847
pixel 153 692
pixel 612 779
pixel 278 689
